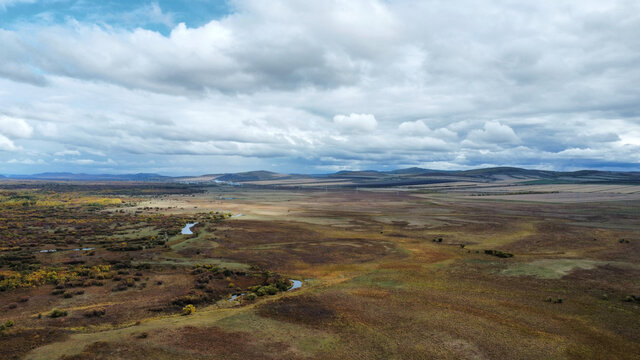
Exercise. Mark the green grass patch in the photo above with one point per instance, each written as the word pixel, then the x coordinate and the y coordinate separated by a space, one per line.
pixel 380 279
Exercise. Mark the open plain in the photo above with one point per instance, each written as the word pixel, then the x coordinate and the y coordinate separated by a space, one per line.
pixel 103 271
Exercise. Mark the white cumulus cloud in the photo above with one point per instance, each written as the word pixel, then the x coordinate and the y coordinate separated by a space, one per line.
pixel 6 144
pixel 417 127
pixel 14 127
pixel 356 122
pixel 493 132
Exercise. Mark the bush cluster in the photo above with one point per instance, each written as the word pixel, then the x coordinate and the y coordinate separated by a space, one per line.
pixel 55 313
pixel 96 313
pixel 554 301
pixel 63 277
pixel 189 309
pixel 271 289
pixel 498 253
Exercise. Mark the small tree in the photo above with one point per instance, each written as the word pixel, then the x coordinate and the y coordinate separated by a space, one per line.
pixel 189 309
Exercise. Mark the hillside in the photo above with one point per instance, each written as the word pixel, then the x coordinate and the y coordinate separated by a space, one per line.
pixel 365 178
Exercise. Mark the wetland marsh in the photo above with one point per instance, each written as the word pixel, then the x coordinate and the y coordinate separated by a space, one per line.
pixel 402 274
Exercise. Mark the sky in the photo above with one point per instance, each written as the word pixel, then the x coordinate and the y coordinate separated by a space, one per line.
pixel 194 86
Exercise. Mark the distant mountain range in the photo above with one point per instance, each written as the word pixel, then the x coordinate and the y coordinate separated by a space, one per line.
pixel 366 178
pixel 62 176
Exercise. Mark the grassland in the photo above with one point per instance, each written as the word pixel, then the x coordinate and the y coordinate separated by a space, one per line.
pixel 405 274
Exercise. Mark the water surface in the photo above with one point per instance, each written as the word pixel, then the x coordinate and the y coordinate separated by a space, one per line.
pixel 296 284
pixel 186 230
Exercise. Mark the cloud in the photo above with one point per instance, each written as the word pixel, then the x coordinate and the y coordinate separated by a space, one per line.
pixel 297 83
pixel 15 57
pixel 10 129
pixel 284 46
pixel 414 128
pixel 6 144
pixel 146 14
pixel 355 122
pixel 493 132
pixel 26 161
pixel 14 127
pixel 4 4
pixel 67 152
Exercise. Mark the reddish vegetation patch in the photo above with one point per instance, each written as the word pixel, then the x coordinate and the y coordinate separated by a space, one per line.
pixel 304 309
pixel 213 341
pixel 615 281
pixel 108 351
pixel 370 293
pixel 278 245
pixel 99 304
pixel 627 250
pixel 16 343
pixel 188 343
pixel 554 236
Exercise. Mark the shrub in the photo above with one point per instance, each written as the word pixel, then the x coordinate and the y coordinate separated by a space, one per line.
pixel 189 299
pixel 188 309
pixel 120 287
pixel 96 313
pixel 556 301
pixel 250 296
pixel 227 272
pixel 55 313
pixel 7 324
pixel 92 282
pixel 267 290
pixel 283 285
pixel 498 253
